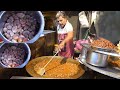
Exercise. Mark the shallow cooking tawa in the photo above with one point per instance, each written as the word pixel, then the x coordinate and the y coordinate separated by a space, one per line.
pixel 32 63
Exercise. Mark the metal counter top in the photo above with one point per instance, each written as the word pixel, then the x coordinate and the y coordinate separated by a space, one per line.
pixel 109 71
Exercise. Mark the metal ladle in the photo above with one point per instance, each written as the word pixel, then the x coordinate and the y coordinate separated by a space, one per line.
pixel 42 70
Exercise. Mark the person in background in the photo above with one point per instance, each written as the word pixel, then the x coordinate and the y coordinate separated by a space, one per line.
pixel 64 36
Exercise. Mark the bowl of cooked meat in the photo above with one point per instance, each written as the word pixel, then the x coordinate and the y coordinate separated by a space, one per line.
pixel 14 55
pixel 21 26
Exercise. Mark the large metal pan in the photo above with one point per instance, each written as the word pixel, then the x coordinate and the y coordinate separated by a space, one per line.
pixel 32 63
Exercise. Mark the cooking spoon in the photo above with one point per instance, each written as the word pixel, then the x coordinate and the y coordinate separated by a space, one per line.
pixel 42 70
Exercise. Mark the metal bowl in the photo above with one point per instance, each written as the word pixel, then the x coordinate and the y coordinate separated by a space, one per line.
pixel 97 56
pixel 37 15
pixel 26 58
pixel 84 50
pixel 96 59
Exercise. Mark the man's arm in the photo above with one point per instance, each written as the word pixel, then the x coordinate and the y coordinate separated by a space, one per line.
pixel 68 37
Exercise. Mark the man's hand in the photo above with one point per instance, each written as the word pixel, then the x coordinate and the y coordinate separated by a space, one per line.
pixel 61 45
pixel 57 48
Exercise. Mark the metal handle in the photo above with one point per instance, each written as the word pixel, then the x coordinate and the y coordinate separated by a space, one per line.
pixel 108 53
pixel 79 60
pixel 51 59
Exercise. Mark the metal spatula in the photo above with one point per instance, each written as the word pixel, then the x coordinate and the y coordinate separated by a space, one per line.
pixel 42 70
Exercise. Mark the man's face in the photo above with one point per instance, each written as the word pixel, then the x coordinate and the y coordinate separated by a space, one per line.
pixel 62 21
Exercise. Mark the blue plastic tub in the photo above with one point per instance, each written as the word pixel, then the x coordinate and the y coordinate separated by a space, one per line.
pixel 27 56
pixel 39 16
